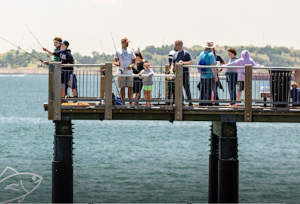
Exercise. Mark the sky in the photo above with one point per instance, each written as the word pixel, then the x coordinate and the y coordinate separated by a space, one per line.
pixel 87 24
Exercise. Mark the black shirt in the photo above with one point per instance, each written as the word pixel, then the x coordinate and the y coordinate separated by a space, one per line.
pixel 219 58
pixel 66 58
pixel 184 56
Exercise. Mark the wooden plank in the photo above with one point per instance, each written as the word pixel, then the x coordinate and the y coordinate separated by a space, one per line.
pixel 178 92
pixel 50 92
pixel 102 82
pixel 166 81
pixel 248 93
pixel 108 91
pixel 56 91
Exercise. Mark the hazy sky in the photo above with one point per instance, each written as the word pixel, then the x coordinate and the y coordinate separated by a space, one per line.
pixel 84 23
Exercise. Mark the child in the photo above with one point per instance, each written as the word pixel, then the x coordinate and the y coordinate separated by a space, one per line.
pixel 147 81
pixel 171 88
pixel 295 93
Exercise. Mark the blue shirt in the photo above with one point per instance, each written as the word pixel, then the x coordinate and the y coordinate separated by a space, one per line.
pixel 209 58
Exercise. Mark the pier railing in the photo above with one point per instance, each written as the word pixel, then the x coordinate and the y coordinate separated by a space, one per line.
pixel 95 84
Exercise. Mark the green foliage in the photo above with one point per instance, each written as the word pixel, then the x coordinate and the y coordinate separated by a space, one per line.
pixel 268 56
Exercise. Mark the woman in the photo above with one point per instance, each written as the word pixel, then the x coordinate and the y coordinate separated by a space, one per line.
pixel 231 76
pixel 245 59
pixel 138 83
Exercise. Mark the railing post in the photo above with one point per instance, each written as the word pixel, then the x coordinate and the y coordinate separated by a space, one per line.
pixel 178 91
pixel 108 91
pixel 248 93
pixel 102 82
pixel 166 81
pixel 54 97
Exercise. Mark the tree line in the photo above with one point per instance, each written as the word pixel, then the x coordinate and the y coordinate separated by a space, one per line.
pixel 268 56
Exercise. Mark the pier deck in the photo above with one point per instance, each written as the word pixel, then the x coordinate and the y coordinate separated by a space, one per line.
pixel 212 113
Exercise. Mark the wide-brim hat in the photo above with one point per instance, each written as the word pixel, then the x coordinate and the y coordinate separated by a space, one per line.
pixel 209 45
pixel 125 39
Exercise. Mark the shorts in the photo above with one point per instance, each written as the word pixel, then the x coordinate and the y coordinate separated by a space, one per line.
pixel 68 79
pixel 148 87
pixel 137 85
pixel 125 82
pixel 241 85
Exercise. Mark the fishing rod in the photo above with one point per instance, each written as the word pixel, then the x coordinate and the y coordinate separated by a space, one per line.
pixel 107 61
pixel 162 50
pixel 113 41
pixel 23 50
pixel 37 40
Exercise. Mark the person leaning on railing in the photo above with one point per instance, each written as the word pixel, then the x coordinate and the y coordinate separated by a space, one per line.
pixel 208 75
pixel 183 56
pixel 231 76
pixel 245 59
pixel 147 82
pixel 138 83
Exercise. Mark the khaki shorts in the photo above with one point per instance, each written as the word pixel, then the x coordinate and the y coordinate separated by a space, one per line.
pixel 125 82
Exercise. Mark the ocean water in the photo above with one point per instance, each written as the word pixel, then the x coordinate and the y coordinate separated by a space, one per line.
pixel 138 161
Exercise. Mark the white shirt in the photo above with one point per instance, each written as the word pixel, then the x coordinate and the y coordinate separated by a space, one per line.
pixel 125 58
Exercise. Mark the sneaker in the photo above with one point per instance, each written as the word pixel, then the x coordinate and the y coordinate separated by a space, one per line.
pixel 235 105
pixel 75 97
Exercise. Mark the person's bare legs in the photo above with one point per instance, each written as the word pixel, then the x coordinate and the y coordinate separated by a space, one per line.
pixel 149 96
pixel 239 95
pixel 130 93
pixel 136 98
pixel 122 92
pixel 146 97
pixel 74 93
pixel 62 93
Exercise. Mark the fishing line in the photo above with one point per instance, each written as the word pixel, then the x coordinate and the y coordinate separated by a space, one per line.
pixel 37 40
pixel 107 61
pixel 23 50
pixel 162 50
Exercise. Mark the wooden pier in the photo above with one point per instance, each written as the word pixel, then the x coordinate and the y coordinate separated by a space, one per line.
pixel 223 158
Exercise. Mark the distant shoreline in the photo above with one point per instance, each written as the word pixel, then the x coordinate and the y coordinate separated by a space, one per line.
pixel 24 71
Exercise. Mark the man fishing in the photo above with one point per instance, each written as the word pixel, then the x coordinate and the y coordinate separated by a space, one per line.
pixel 56 41
pixel 124 58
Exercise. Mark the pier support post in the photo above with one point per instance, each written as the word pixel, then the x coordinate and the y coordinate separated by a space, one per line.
pixel 62 165
pixel 223 162
pixel 178 92
pixel 213 168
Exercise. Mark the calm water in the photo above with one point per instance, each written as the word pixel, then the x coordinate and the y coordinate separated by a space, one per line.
pixel 132 161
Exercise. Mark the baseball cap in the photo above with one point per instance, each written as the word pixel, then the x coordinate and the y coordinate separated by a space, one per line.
pixel 66 43
pixel 125 39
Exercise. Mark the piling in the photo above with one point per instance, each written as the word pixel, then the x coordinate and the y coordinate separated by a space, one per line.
pixel 213 168
pixel 62 165
pixel 228 164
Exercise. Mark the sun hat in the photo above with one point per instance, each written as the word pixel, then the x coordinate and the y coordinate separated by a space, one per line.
pixel 209 45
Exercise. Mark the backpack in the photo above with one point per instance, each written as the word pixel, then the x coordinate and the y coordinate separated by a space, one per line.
pixel 202 62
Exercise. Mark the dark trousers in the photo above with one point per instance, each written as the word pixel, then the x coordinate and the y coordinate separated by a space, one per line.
pixel 215 90
pixel 231 79
pixel 206 86
pixel 186 84
pixel 171 94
